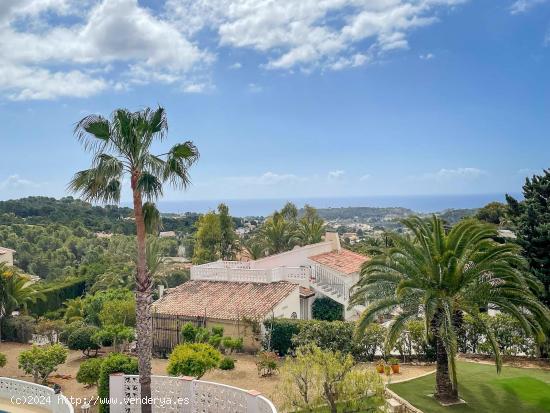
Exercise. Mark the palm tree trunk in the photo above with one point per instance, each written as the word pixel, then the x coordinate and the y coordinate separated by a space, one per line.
pixel 444 390
pixel 143 304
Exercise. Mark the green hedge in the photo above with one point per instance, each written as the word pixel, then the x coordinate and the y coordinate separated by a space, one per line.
pixel 56 294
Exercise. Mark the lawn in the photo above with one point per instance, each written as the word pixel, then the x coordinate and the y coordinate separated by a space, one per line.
pixel 514 390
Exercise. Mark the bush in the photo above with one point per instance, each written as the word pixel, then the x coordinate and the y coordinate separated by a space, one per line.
pixel 279 334
pixel 40 362
pixel 50 329
pixel 232 344
pixel 69 329
pixel 19 329
pixel 370 342
pixel 328 310
pixel 327 335
pixel 3 360
pixel 121 312
pixel 188 333
pixel 113 363
pixel 84 339
pixel 217 331
pixel 88 372
pixel 193 360
pixel 117 335
pixel 227 363
pixel 266 363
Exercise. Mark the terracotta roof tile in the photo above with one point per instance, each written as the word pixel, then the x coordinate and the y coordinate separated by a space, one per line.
pixel 343 261
pixel 306 292
pixel 223 300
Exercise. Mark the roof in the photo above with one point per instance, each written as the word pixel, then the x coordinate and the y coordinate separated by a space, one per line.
pixel 6 250
pixel 223 300
pixel 344 261
pixel 306 292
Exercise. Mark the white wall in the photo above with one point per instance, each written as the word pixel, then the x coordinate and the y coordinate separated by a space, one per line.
pixel 294 258
pixel 291 304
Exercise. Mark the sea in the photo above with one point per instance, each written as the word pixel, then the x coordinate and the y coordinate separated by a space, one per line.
pixel 264 207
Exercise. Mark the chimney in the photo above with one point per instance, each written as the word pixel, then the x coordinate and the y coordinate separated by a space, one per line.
pixel 161 290
pixel 334 239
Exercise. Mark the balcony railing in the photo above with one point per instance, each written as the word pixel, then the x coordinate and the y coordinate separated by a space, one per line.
pixel 22 393
pixel 185 394
pixel 332 283
pixel 243 272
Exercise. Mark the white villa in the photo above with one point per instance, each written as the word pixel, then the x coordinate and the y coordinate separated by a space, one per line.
pixel 6 255
pixel 282 285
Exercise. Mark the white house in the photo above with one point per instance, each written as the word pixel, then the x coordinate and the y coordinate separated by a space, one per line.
pixel 6 255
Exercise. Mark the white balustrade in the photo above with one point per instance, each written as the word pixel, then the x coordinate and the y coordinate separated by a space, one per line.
pixel 185 394
pixel 34 394
pixel 332 283
pixel 243 272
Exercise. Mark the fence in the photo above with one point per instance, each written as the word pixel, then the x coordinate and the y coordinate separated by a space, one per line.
pixel 185 394
pixel 23 393
pixel 166 331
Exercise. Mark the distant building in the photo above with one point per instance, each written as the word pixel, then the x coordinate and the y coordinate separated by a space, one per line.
pixel 167 234
pixel 6 255
pixel 506 233
pixel 103 234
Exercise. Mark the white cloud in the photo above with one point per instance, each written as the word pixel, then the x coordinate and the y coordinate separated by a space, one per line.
pixel 45 61
pixel 365 177
pixel 337 174
pixel 255 88
pixel 235 66
pixel 522 6
pixel 445 175
pixel 83 47
pixel 427 56
pixel 16 182
pixel 310 33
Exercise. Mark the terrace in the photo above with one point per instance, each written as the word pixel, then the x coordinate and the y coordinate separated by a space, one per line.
pixel 18 396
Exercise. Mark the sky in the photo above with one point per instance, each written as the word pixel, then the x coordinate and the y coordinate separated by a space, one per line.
pixel 285 98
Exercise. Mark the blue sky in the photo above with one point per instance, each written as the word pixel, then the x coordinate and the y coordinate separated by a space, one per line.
pixel 316 98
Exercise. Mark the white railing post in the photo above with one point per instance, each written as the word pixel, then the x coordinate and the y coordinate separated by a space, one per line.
pixel 187 394
pixel 252 400
pixel 116 393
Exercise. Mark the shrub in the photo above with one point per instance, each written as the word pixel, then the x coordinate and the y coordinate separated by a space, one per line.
pixel 83 339
pixel 279 334
pixel 40 362
pixel 217 331
pixel 122 312
pixel 117 335
pixel 392 361
pixel 328 310
pixel 3 360
pixel 188 333
pixel 193 360
pixel 88 372
pixel 202 336
pixel 318 377
pixel 227 363
pixel 266 363
pixel 327 335
pixel 232 344
pixel 19 329
pixel 69 329
pixel 50 329
pixel 113 363
pixel 370 342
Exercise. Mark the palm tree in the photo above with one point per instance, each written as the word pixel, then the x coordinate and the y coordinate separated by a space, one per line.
pixel 310 227
pixel 121 147
pixel 278 233
pixel 16 291
pixel 74 309
pixel 440 275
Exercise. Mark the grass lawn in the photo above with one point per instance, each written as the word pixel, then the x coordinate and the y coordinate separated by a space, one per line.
pixel 514 390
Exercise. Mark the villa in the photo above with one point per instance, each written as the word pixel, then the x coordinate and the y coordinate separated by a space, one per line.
pixel 241 295
pixel 6 255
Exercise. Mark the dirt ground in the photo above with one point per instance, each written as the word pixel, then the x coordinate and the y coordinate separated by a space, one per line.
pixel 244 375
